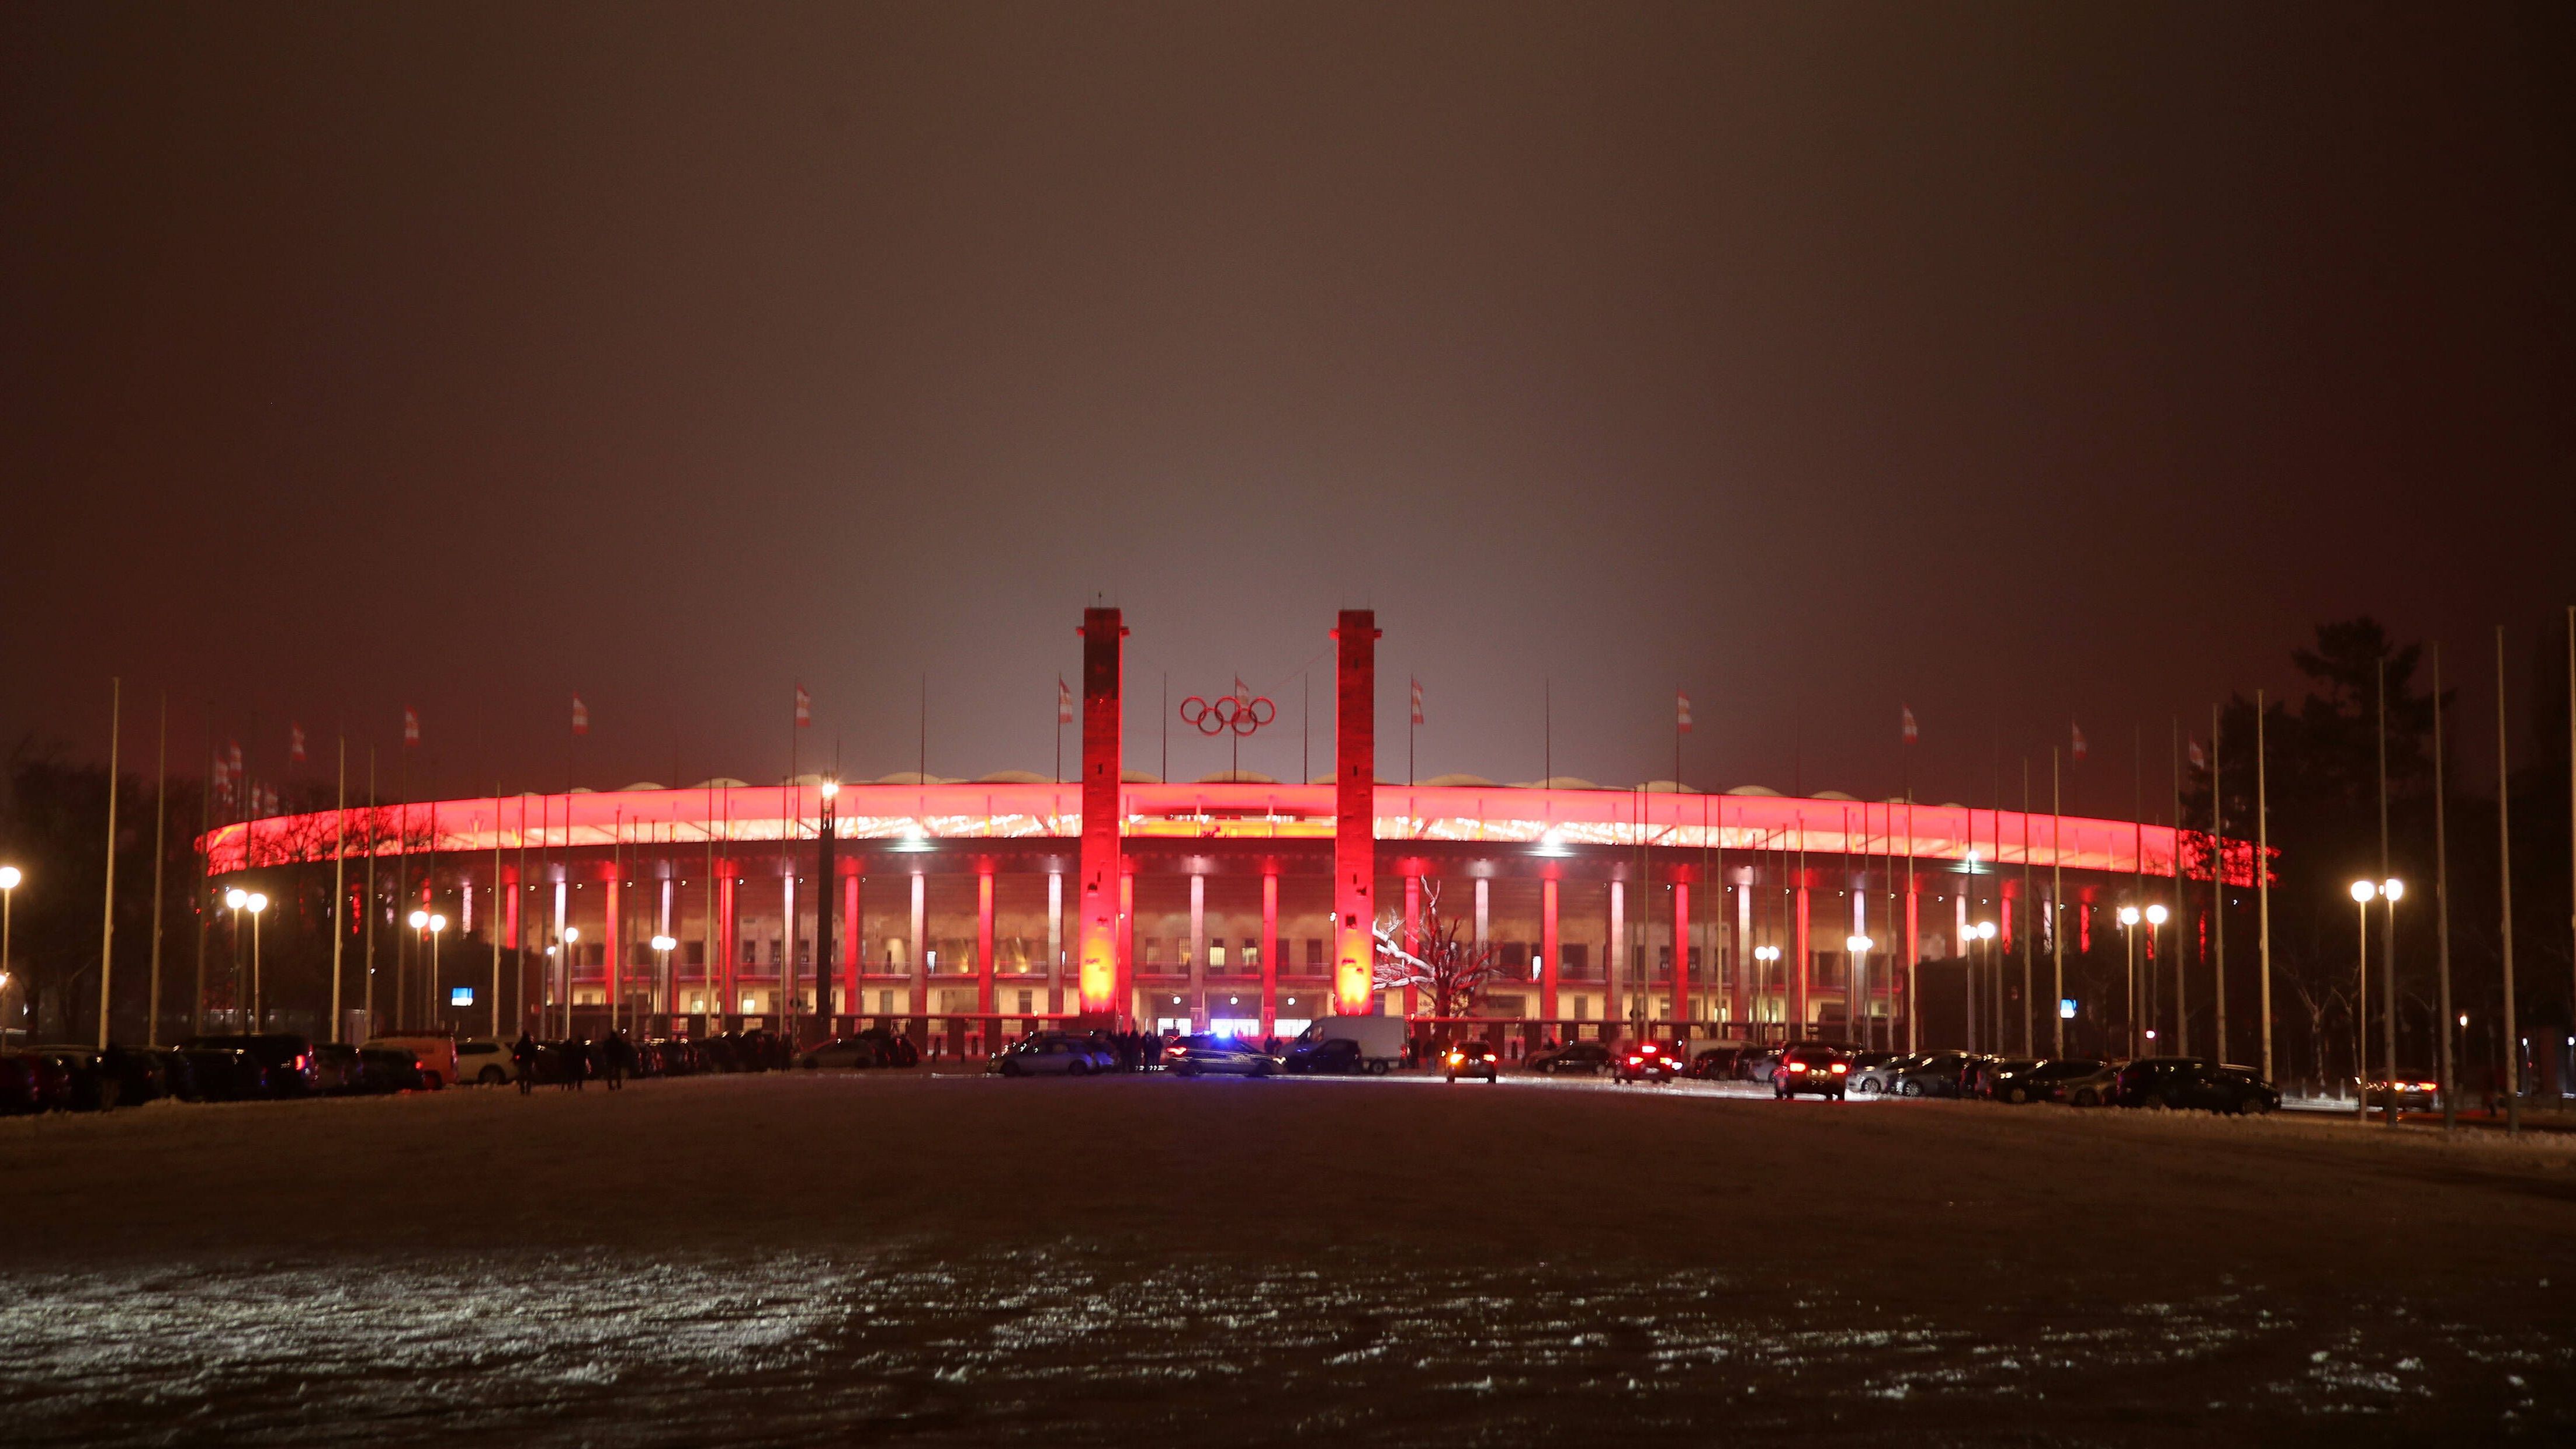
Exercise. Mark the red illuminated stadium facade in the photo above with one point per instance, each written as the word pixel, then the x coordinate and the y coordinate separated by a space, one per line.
pixel 969 911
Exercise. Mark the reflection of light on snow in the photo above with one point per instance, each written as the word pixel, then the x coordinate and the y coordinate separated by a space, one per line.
pixel 1004 1346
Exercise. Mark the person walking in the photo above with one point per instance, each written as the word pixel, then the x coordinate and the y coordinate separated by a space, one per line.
pixel 618 1055
pixel 523 1062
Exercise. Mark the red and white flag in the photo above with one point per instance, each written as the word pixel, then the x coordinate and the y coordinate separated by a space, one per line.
pixel 804 708
pixel 1908 720
pixel 2079 740
pixel 411 727
pixel 1063 701
pixel 1417 701
pixel 580 716
pixel 1681 711
pixel 2199 761
pixel 295 743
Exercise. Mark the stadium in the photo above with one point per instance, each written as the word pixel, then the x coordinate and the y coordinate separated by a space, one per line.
pixel 965 912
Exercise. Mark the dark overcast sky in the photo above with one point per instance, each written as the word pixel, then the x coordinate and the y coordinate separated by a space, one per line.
pixel 2011 361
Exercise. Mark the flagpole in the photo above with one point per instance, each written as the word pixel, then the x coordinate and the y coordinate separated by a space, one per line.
pixel 367 955
pixel 197 906
pixel 2504 886
pixel 2182 921
pixel 2218 888
pixel 2441 907
pixel 2057 899
pixel 2571 775
pixel 2388 933
pixel 2263 865
pixel 160 849
pixel 107 913
pixel 339 882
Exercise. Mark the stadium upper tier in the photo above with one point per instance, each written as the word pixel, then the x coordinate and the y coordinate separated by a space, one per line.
pixel 917 816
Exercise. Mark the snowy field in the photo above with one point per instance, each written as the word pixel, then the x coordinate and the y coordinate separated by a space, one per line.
pixel 961 1260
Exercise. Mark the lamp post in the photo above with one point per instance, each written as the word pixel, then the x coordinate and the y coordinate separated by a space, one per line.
pixel 2155 927
pixel 2129 932
pixel 1985 934
pixel 9 878
pixel 2362 893
pixel 257 904
pixel 234 900
pixel 563 965
pixel 1766 955
pixel 2391 890
pixel 1858 992
pixel 662 949
pixel 430 925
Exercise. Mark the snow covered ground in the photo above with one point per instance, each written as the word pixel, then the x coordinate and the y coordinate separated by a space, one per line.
pixel 960 1260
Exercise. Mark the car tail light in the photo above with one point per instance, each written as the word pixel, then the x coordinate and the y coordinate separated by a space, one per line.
pixel 1839 1067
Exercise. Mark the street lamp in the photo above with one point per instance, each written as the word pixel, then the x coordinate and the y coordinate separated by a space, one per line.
pixel 2363 892
pixel 571 938
pixel 662 947
pixel 1857 1004
pixel 430 924
pixel 2129 919
pixel 255 904
pixel 1766 955
pixel 2155 926
pixel 2391 890
pixel 1982 931
pixel 9 878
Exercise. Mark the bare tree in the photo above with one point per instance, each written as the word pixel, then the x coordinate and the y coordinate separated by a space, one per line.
pixel 1453 971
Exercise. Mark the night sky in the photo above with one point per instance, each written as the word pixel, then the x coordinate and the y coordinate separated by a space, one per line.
pixel 2013 362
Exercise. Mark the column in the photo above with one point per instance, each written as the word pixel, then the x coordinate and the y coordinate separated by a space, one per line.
pixel 1913 956
pixel 984 940
pixel 666 984
pixel 1742 1005
pixel 782 999
pixel 1482 895
pixel 854 944
pixel 1547 948
pixel 559 980
pixel 1125 942
pixel 1613 966
pixel 1412 929
pixel 1269 947
pixel 1354 808
pixel 1103 881
pixel 1055 942
pixel 1681 953
pixel 1198 952
pixel 728 963
pixel 919 963
pixel 1798 973
pixel 611 948
pixel 508 920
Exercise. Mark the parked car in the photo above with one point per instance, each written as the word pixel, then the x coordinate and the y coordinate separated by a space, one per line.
pixel 392 1069
pixel 1647 1061
pixel 2194 1083
pixel 1935 1074
pixel 1339 1057
pixel 1991 1077
pixel 139 1078
pixel 1811 1069
pixel 1589 1058
pixel 285 1058
pixel 1473 1057
pixel 1196 1056
pixel 338 1070
pixel 22 1086
pixel 1758 1065
pixel 485 1062
pixel 178 1074
pixel 847 1053
pixel 1719 1063
pixel 1054 1054
pixel 2076 1081
pixel 1879 1077
pixel 94 1088
pixel 226 1074
pixel 436 1054
pixel 1380 1041
pixel 2411 1091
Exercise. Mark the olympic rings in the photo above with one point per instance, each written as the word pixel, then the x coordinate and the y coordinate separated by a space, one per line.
pixel 1228 712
